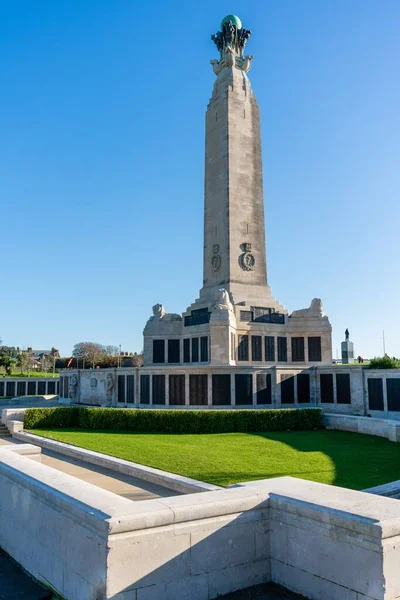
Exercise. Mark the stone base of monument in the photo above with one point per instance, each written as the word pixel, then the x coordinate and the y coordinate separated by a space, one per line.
pixel 317 540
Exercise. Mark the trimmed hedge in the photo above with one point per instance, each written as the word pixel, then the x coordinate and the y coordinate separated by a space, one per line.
pixel 174 421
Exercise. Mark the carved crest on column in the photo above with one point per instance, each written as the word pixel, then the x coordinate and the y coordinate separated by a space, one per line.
pixel 247 260
pixel 216 259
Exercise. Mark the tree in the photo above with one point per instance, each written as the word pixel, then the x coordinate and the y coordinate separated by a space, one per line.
pixel 110 350
pixel 23 361
pixel 8 363
pixel 137 359
pixel 7 358
pixel 48 363
pixel 89 352
pixel 384 362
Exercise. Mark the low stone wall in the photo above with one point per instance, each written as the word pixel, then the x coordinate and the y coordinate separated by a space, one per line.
pixel 29 386
pixel 353 390
pixel 389 429
pixel 317 540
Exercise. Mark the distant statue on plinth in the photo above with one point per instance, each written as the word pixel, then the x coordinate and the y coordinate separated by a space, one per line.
pixel 347 349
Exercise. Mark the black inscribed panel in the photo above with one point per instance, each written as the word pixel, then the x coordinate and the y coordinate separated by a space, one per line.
pixel 221 390
pixel 145 389
pixel 174 351
pixel 198 390
pixel 375 394
pixel 343 393
pixel 326 381
pixel 177 390
pixel 158 351
pixel 21 385
pixel 41 388
pixel 130 389
pixel 314 349
pixel 204 349
pixel 287 389
pixel 32 388
pixel 10 388
pixel 393 393
pixel 243 347
pixel 186 350
pixel 282 349
pixel 264 395
pixel 256 348
pixel 269 342
pixel 66 387
pixel 121 388
pixel 51 387
pixel 246 315
pixel 243 389
pixel 195 350
pixel 303 388
pixel 158 389
pixel 297 349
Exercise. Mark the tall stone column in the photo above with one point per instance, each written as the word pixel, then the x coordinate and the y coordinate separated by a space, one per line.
pixel 234 229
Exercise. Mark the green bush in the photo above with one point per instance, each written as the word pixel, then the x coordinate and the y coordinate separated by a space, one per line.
pixel 59 417
pixel 384 362
pixel 174 421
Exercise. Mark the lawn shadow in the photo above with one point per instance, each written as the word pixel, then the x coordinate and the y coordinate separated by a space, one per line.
pixel 360 461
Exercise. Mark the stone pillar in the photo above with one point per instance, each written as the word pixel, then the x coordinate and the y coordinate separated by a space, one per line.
pixel 347 352
pixel 187 389
pixel 222 321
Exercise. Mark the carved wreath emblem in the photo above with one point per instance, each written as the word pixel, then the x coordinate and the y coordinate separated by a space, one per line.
pixel 216 259
pixel 247 260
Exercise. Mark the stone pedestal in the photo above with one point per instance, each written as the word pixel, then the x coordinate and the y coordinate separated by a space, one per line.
pixel 222 328
pixel 347 352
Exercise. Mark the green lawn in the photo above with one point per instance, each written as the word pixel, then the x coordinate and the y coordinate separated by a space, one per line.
pixel 336 457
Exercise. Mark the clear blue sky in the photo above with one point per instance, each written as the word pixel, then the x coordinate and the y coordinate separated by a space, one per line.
pixel 101 162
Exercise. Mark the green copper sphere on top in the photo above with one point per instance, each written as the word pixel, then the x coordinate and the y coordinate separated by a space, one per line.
pixel 234 19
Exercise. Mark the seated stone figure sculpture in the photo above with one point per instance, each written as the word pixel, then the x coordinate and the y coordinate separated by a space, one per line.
pixel 314 310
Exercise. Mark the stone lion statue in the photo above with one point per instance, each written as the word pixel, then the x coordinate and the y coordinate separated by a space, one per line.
pixel 159 312
pixel 222 300
pixel 73 384
pixel 314 310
